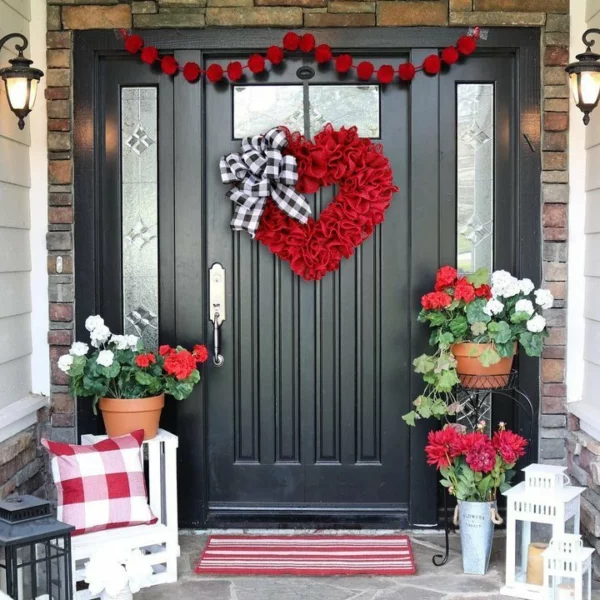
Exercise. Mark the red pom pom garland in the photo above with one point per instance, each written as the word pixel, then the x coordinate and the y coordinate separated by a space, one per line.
pixel 292 42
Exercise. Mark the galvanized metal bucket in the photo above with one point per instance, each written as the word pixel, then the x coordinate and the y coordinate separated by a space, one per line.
pixel 476 522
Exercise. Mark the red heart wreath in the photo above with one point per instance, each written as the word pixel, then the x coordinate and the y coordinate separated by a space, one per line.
pixel 365 180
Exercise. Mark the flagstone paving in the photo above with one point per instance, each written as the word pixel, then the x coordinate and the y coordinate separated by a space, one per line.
pixel 430 582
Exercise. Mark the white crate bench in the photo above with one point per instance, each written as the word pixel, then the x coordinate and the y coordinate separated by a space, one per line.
pixel 158 542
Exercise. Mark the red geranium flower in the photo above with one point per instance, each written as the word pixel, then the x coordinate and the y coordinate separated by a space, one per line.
pixel 180 364
pixel 509 445
pixel 445 278
pixel 464 290
pixel 442 447
pixel 482 455
pixel 165 349
pixel 323 53
pixel 483 291
pixel 436 300
pixel 200 353
pixel 145 360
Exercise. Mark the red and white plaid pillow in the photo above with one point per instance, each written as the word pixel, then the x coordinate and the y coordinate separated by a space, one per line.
pixel 101 486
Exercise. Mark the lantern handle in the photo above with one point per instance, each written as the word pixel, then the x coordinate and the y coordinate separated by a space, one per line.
pixel 21 47
pixel 589 43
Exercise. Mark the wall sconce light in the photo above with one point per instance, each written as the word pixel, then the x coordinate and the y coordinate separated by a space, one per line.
pixel 21 80
pixel 585 77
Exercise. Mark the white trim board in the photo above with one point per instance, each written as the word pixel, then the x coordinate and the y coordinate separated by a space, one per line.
pixel 589 417
pixel 20 415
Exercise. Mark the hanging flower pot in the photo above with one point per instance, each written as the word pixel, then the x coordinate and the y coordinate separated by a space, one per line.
pixel 473 373
pixel 125 415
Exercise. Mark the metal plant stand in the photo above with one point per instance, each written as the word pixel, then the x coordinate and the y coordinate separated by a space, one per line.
pixel 476 394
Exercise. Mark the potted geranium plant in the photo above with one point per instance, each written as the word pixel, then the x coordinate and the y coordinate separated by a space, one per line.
pixel 128 383
pixel 475 329
pixel 474 468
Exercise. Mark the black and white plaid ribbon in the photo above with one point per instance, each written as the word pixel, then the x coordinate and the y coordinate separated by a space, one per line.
pixel 259 172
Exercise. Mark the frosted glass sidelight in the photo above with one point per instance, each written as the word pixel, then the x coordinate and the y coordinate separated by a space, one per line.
pixel 475 176
pixel 139 172
pixel 345 105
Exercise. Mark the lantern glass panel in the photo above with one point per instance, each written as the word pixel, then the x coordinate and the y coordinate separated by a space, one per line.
pixel 562 588
pixel 589 84
pixel 531 540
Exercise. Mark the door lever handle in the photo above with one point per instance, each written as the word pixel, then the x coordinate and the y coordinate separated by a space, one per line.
pixel 217 309
pixel 218 359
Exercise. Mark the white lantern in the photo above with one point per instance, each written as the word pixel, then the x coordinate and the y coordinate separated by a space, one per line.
pixel 568 569
pixel 544 506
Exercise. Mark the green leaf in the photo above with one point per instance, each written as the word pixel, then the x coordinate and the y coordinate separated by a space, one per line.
pixel 436 319
pixel 110 372
pixel 445 339
pixel 532 343
pixel 424 363
pixel 520 317
pixel 78 366
pixel 475 312
pixel 480 277
pixel 504 487
pixel 478 329
pixel 144 378
pixel 506 350
pixel 409 418
pixel 447 380
pixel 459 326
pixel 444 362
pixel 489 357
pixel 500 332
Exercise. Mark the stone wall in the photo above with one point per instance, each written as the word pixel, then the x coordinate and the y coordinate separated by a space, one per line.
pixel 550 15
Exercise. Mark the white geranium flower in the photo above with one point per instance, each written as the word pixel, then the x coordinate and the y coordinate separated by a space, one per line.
pixel 120 341
pixel 105 358
pixel 504 285
pixel 544 298
pixel 100 335
pixel 525 306
pixel 526 286
pixel 138 571
pixel 512 288
pixel 65 362
pixel 132 341
pixel 79 349
pixel 493 307
pixel 93 322
pixel 536 324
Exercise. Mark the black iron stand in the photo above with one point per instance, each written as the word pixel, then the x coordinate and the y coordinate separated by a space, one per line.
pixel 474 392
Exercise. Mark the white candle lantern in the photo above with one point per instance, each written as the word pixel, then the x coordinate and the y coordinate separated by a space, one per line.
pixel 567 569
pixel 544 506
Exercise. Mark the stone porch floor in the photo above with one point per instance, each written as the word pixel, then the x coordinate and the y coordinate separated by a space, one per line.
pixel 430 582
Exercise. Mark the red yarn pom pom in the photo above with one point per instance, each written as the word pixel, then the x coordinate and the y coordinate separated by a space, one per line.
pixel 235 70
pixel 214 73
pixel 450 55
pixel 323 53
pixel 133 43
pixel 291 41
pixel 432 64
pixel 149 54
pixel 307 42
pixel 407 71
pixel 275 54
pixel 256 63
pixel 191 71
pixel 466 45
pixel 343 63
pixel 385 73
pixel 169 65
pixel 365 70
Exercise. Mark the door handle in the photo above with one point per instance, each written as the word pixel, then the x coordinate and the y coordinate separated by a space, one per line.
pixel 217 309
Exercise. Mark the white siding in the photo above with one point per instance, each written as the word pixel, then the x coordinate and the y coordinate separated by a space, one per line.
pixel 15 255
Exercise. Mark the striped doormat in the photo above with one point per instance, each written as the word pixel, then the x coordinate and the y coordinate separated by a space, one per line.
pixel 307 555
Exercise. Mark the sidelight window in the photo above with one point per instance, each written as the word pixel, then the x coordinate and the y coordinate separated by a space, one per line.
pixel 139 167
pixel 475 176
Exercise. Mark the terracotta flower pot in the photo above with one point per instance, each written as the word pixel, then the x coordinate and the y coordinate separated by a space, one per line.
pixel 473 374
pixel 123 415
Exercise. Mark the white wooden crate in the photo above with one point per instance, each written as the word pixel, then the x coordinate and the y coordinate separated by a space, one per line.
pixel 159 542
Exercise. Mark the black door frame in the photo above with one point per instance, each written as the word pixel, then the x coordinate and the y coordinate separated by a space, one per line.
pixel 91 240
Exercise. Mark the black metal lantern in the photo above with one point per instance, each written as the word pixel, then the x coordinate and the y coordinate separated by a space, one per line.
pixel 35 551
pixel 21 80
pixel 585 77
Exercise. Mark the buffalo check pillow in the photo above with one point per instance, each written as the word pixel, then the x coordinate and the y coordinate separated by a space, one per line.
pixel 100 486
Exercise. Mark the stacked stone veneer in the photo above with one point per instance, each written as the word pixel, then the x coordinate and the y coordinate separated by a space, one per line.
pixel 551 16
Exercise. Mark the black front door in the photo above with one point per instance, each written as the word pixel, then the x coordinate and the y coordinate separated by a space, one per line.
pixel 302 423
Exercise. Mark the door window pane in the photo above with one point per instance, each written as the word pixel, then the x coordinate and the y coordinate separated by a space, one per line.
pixel 345 106
pixel 139 161
pixel 258 108
pixel 475 176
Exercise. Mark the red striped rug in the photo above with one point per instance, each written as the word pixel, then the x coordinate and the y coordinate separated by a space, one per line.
pixel 307 555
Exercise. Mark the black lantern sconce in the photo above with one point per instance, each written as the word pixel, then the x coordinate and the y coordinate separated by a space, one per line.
pixel 585 77
pixel 21 80
pixel 35 551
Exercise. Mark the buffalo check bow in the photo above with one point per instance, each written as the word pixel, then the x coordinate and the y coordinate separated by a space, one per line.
pixel 259 172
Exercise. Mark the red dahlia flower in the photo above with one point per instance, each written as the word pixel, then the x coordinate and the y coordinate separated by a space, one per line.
pixel 482 455
pixel 464 290
pixel 442 447
pixel 180 364
pixel 445 278
pixel 145 360
pixel 200 353
pixel 436 300
pixel 509 445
